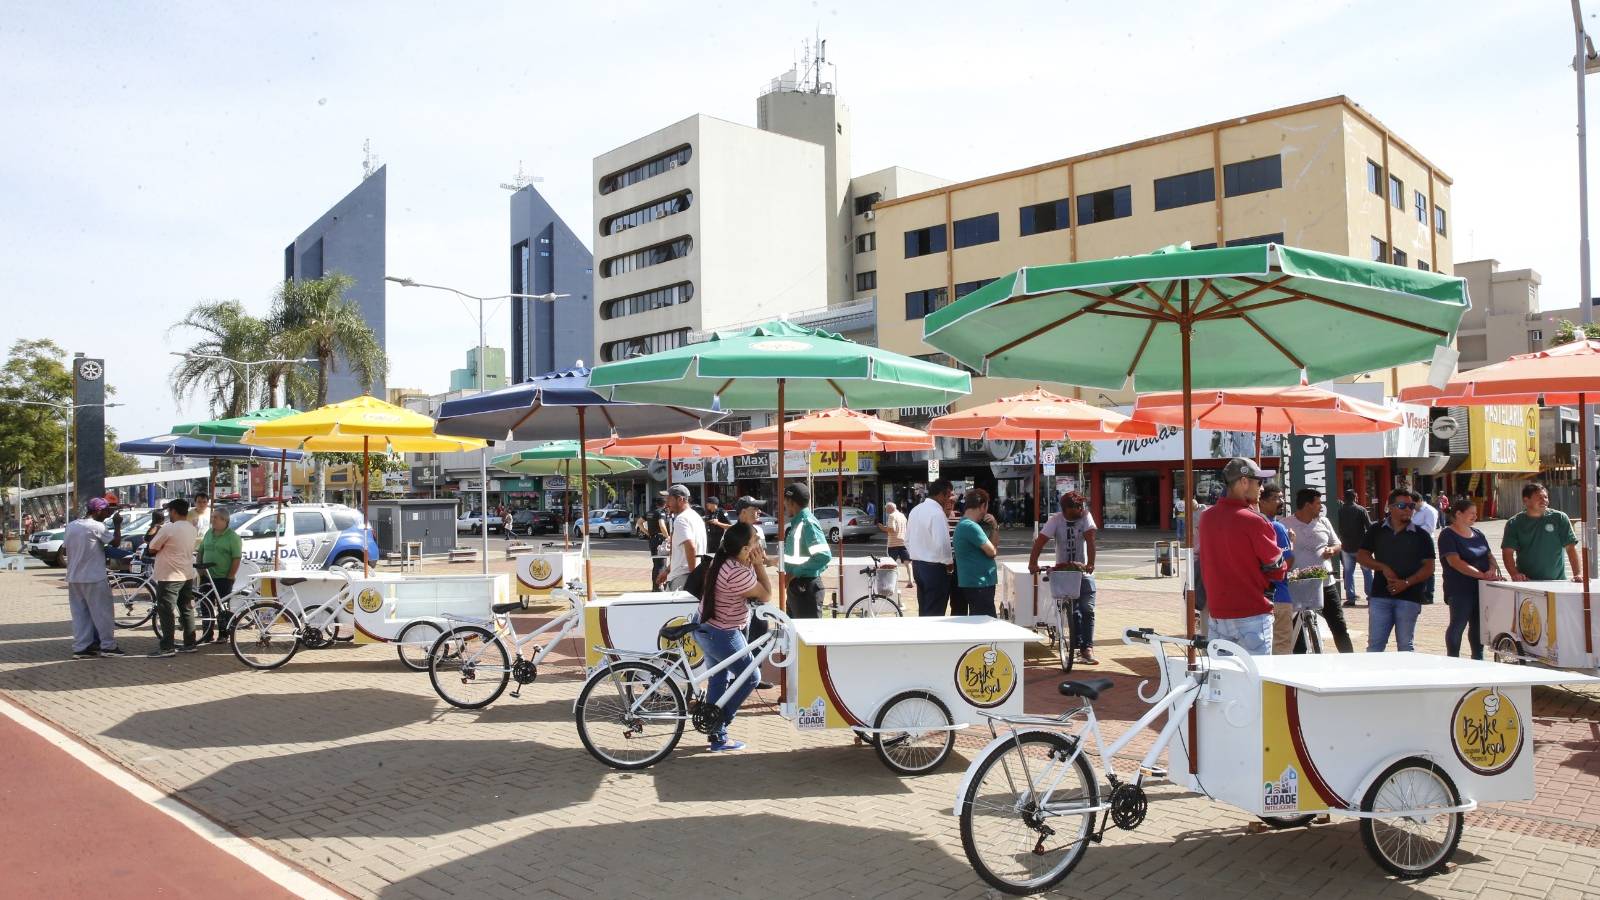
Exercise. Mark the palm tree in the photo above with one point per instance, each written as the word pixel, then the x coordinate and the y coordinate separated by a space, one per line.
pixel 227 330
pixel 313 319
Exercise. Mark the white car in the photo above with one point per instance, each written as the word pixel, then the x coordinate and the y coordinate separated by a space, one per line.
pixel 606 523
pixel 46 546
pixel 472 522
pixel 298 537
pixel 856 524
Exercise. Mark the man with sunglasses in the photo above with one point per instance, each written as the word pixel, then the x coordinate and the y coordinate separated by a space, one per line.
pixel 1401 557
pixel 1241 560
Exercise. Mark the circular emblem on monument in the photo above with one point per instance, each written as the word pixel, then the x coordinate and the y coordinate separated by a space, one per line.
pixel 89 370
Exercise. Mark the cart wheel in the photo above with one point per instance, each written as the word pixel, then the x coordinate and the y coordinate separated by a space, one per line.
pixel 469 667
pixel 913 732
pixel 873 606
pixel 415 640
pixel 1415 845
pixel 1281 823
pixel 1064 633
pixel 1507 649
pixel 630 715
pixel 264 636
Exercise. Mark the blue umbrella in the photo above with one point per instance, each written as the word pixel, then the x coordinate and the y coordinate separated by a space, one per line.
pixel 177 445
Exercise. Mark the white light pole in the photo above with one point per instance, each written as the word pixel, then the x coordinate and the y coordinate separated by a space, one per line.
pixel 483 456
pixel 66 409
pixel 1584 61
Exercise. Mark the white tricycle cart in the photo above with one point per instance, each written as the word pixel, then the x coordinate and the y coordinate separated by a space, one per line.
pixel 1539 622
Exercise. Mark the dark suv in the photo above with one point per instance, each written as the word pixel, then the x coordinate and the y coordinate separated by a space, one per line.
pixel 535 521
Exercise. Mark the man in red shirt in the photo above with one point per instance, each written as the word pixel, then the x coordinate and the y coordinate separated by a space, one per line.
pixel 1241 558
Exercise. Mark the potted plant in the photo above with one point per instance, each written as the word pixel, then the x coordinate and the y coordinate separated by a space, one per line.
pixel 1305 587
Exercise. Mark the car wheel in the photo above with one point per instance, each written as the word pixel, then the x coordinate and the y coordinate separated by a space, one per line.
pixel 833 535
pixel 601 533
pixel 348 561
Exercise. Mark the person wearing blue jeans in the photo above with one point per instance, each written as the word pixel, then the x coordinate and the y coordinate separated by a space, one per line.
pixel 1401 557
pixel 738 576
pixel 1348 559
pixel 1253 633
pixel 719 644
pixel 1073 530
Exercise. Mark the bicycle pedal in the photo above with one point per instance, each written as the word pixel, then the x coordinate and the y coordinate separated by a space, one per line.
pixel 1154 771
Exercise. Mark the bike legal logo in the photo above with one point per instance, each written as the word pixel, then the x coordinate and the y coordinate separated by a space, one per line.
pixel 985 675
pixel 539 571
pixel 1529 625
pixel 369 600
pixel 1486 731
pixel 691 650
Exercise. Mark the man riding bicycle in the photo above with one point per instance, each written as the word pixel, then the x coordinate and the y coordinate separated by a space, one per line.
pixel 1073 530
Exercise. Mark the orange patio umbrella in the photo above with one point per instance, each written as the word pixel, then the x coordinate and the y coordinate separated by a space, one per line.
pixel 840 430
pixel 1565 375
pixel 696 442
pixel 1302 409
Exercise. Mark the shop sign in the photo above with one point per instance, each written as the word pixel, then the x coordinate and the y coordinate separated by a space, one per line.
pixel 850 462
pixel 518 484
pixel 555 482
pixel 1503 438
pixel 702 470
pixel 933 470
pixel 1309 464
pixel 1167 445
pixel 924 412
pixel 754 465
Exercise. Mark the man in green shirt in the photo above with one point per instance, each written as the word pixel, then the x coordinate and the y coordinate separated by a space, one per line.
pixel 221 548
pixel 805 553
pixel 1534 540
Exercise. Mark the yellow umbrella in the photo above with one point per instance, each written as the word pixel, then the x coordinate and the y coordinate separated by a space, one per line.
pixel 353 426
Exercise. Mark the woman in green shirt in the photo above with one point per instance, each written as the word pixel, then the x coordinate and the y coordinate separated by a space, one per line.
pixel 974 555
pixel 221 548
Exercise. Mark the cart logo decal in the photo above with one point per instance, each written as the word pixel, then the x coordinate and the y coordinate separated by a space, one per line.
pixel 849 717
pixel 1283 795
pixel 369 600
pixel 1292 783
pixel 813 717
pixel 1486 730
pixel 985 675
pixel 690 648
pixel 1528 624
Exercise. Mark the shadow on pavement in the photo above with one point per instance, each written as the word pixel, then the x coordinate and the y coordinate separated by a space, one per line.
pixel 59 672
pixel 260 719
pixel 509 710
pixel 694 774
pixel 29 631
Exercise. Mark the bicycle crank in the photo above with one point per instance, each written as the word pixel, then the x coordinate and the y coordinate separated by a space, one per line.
pixel 706 717
pixel 523 671
pixel 1128 806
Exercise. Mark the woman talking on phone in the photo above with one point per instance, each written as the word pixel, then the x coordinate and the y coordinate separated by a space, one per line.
pixel 738 574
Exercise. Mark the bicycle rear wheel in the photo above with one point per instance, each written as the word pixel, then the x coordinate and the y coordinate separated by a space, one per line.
pixel 630 715
pixel 265 636
pixel 133 602
pixel 1013 844
pixel 873 606
pixel 205 621
pixel 469 667
pixel 415 641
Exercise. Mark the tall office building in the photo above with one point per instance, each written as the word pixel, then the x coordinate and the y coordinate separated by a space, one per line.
pixel 547 257
pixel 350 238
pixel 494 370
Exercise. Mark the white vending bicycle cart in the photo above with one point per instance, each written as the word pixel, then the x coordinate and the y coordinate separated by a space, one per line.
pixel 1539 622
pixel 543 571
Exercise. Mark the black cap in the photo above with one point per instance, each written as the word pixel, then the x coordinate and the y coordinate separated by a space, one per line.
pixel 797 492
pixel 747 501
pixel 713 501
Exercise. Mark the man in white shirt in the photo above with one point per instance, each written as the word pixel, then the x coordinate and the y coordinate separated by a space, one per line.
pixel 928 543
pixel 174 547
pixel 1315 542
pixel 88 592
pixel 688 539
pixel 1426 517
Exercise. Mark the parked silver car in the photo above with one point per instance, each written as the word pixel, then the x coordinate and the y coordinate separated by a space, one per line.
pixel 856 525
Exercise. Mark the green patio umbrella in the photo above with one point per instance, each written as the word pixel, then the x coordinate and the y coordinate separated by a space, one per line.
pixel 556 458
pixel 230 430
pixel 780 366
pixel 1178 319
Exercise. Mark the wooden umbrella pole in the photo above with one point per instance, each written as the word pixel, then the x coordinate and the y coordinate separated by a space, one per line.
pixel 783 577
pixel 583 510
pixel 366 464
pixel 1038 472
pixel 838 489
pixel 1186 332
pixel 1258 439
pixel 1583 508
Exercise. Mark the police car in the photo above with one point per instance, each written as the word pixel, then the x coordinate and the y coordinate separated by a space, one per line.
pixel 298 533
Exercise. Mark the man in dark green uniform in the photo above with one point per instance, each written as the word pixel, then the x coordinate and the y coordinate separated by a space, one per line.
pixel 1535 538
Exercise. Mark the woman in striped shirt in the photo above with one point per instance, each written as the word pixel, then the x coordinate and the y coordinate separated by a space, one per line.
pixel 738 575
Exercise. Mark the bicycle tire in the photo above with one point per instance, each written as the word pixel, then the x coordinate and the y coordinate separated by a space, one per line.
pixel 1424 776
pixel 260 626
pixel 415 644
pixel 1029 841
pixel 457 658
pixel 133 602
pixel 591 711
pixel 873 606
pixel 1313 634
pixel 205 621
pixel 902 750
pixel 1065 633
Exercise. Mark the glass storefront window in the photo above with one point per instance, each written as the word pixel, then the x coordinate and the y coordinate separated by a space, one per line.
pixel 1121 502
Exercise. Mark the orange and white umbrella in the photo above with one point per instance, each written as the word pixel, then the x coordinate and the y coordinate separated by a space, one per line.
pixel 1302 409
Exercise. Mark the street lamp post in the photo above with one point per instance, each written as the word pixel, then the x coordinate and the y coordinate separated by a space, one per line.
pixel 483 455
pixel 67 410
pixel 1584 62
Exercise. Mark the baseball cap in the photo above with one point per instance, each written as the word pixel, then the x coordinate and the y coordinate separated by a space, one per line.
pixel 746 502
pixel 1240 467
pixel 111 499
pixel 797 492
pixel 713 501
pixel 678 490
pixel 96 504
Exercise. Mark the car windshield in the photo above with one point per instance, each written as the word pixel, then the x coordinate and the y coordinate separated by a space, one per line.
pixel 254 524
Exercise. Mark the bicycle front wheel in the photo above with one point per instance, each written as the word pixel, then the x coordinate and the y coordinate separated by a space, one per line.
pixel 415 641
pixel 469 667
pixel 873 606
pixel 1065 633
pixel 265 636
pixel 1014 843
pixel 630 715
pixel 133 602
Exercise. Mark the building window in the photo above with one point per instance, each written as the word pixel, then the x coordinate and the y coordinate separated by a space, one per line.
pixel 1380 250
pixel 311 261
pixel 649 256
pixel 1397 193
pixel 1439 220
pixel 865 202
pixel 1423 266
pixel 866 243
pixel 920 303
pixel 1400 258
pixel 1252 176
pixel 637 216
pixel 966 287
pixel 1275 238
pixel 1535 340
pixel 1100 206
pixel 644 344
pixel 645 301
pixel 924 241
pixel 1052 215
pixel 1374 178
pixel 982 229
pixel 1421 204
pixel 1210 246
pixel 650 168
pixel 1186 189
pixel 866 281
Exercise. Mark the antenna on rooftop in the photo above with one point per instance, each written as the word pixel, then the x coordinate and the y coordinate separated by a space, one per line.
pixel 369 160
pixel 522 180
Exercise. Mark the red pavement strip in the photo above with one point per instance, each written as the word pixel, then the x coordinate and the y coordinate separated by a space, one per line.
pixel 73 824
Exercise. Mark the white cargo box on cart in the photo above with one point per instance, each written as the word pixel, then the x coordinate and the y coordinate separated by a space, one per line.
pixel 1541 621
pixel 633 621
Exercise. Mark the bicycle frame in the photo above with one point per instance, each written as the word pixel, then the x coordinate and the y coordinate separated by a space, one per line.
pixel 330 607
pixel 503 626
pixel 757 652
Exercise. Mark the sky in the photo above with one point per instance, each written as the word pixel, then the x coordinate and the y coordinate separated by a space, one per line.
pixel 163 153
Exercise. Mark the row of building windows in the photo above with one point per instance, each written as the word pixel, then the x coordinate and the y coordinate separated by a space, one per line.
pixel 1397 198
pixel 637 216
pixel 644 345
pixel 645 301
pixel 1250 176
pixel 1274 238
pixel 650 168
pixel 1382 253
pixel 920 303
pixel 649 256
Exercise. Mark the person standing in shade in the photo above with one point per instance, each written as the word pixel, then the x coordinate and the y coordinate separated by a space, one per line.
pixel 1401 556
pixel 974 553
pixel 928 544
pixel 200 513
pixel 88 591
pixel 1353 526
pixel 1535 538
pixel 657 531
pixel 894 525
pixel 688 539
pixel 805 553
pixel 1315 543
pixel 221 549
pixel 1074 532
pixel 1467 561
pixel 1241 560
pixel 717 520
pixel 1269 505
pixel 174 547
pixel 1426 516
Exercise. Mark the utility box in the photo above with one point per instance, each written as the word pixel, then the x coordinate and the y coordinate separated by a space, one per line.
pixel 429 522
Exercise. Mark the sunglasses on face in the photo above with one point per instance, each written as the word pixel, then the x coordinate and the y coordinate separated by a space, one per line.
pixel 1404 505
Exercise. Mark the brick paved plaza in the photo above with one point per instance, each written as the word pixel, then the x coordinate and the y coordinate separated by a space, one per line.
pixel 346 764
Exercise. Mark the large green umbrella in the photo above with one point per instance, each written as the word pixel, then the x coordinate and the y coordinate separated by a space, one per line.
pixel 780 366
pixel 1231 317
pixel 231 430
pixel 556 458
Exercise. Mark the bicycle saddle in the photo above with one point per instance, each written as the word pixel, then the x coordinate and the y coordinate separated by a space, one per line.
pixel 676 632
pixel 506 607
pixel 291 582
pixel 1089 690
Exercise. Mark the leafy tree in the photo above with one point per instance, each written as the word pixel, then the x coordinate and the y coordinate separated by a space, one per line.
pixel 226 330
pixel 32 438
pixel 313 319
pixel 1567 332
